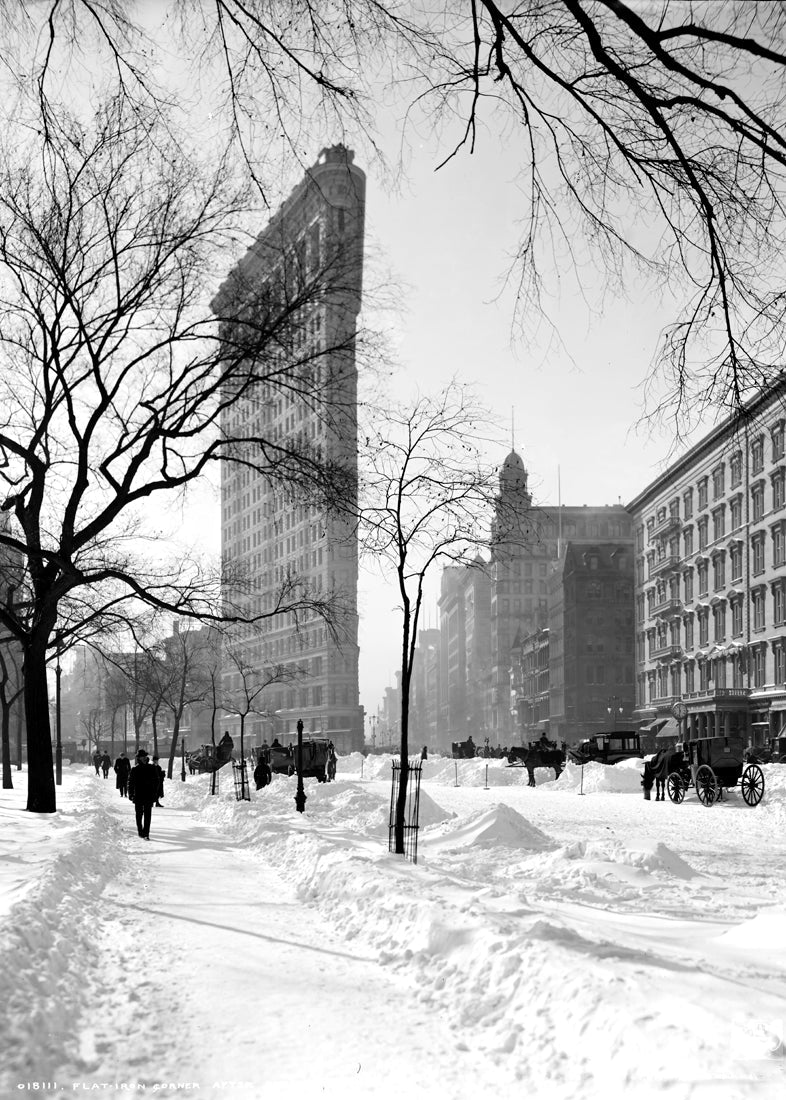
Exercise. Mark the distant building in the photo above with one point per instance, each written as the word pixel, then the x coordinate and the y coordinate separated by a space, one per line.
pixel 424 689
pixel 268 534
pixel 710 581
pixel 591 640
pixel 465 659
pixel 526 541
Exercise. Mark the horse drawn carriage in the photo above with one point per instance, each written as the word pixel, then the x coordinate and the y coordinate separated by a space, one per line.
pixel 607 748
pixel 319 758
pixel 711 765
pixel 464 750
pixel 537 754
pixel 209 758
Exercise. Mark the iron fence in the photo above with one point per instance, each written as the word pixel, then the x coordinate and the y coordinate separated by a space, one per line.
pixel 242 789
pixel 411 809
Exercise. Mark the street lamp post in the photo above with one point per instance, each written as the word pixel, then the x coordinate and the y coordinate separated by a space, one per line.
pixel 182 759
pixel 300 794
pixel 613 709
pixel 58 740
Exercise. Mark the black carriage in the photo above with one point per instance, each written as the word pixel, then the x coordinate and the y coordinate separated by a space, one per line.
pixel 607 748
pixel 209 758
pixel 464 750
pixel 711 765
pixel 318 758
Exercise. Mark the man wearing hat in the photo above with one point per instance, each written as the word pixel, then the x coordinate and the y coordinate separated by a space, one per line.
pixel 143 784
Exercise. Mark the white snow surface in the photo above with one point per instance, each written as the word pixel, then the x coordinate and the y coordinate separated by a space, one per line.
pixel 570 940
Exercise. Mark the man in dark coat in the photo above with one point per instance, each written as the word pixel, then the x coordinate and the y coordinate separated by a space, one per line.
pixel 122 771
pixel 97 761
pixel 161 774
pixel 143 787
pixel 106 764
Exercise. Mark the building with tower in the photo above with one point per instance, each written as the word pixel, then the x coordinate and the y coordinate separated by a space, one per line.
pixel 308 399
pixel 527 545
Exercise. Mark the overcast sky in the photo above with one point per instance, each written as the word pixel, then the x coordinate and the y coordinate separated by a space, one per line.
pixel 576 390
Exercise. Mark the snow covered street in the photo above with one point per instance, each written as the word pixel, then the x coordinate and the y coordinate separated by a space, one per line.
pixel 548 943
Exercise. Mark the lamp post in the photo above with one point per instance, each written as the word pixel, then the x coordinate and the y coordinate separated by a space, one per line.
pixel 58 741
pixel 300 794
pixel 182 759
pixel 613 709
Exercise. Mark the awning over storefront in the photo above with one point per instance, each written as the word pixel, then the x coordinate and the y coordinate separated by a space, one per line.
pixel 653 727
pixel 669 729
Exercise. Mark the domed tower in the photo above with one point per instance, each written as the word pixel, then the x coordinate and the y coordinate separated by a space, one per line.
pixel 511 526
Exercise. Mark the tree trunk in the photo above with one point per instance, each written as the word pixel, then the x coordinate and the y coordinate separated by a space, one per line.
pixel 41 798
pixel 19 724
pixel 155 732
pixel 401 801
pixel 8 783
pixel 173 747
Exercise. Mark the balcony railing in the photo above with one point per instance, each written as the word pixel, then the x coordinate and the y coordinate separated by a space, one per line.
pixel 667 651
pixel 664 565
pixel 718 693
pixel 665 525
pixel 667 607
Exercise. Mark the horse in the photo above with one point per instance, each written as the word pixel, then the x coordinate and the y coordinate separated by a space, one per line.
pixel 657 770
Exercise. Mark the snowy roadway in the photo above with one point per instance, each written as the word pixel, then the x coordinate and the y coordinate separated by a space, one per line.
pixel 546 945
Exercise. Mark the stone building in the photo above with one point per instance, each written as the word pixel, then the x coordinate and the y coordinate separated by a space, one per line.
pixel 526 541
pixel 310 255
pixel 710 580
pixel 465 665
pixel 591 636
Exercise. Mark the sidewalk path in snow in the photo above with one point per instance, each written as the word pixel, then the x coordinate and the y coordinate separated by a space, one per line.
pixel 211 973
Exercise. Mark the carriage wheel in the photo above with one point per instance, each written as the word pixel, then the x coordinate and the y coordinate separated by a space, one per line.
pixel 752 784
pixel 706 785
pixel 675 787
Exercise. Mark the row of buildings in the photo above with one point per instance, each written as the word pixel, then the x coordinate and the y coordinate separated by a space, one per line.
pixel 576 618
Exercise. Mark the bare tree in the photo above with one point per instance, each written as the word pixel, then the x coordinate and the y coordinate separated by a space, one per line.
pixel 426 497
pixel 664 115
pixel 116 387
pixel 246 686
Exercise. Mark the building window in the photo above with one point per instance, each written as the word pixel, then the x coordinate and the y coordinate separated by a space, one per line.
pixel 777 442
pixel 757 598
pixel 759 665
pixel 719 622
pixel 779 657
pixel 757 501
pixel 778 603
pixel 689 632
pixel 719 571
pixel 718 482
pixel 736 617
pixel 735 469
pixel 735 554
pixel 704 573
pixel 718 524
pixel 687 504
pixel 735 507
pixel 688 578
pixel 704 675
pixel 779 543
pixel 757 455
pixel 720 673
pixel 737 674
pixel 703 493
pixel 690 674
pixel 704 620
pixel 778 488
pixel 757 550
pixel 703 526
pixel 687 536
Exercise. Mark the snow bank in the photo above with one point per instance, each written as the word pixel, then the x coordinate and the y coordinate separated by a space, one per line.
pixel 500 825
pixel 622 778
pixel 48 935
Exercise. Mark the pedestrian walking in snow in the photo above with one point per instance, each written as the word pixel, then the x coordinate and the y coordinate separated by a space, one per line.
pixel 97 761
pixel 143 786
pixel 160 771
pixel 122 771
pixel 106 764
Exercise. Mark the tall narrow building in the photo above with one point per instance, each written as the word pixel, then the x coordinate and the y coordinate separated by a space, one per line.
pixel 310 258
